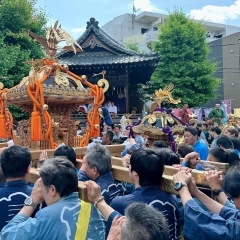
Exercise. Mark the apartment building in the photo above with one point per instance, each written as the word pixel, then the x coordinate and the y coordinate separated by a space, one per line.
pixel 224 41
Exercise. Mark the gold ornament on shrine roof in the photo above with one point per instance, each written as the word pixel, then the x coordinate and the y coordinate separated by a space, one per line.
pixel 165 95
pixel 102 83
pixel 54 36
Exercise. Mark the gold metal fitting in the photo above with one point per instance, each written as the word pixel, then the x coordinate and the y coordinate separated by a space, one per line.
pixel 45 107
pixel 4 95
pixel 65 66
pixel 1 86
pixel 96 126
pixel 56 124
pixel 84 77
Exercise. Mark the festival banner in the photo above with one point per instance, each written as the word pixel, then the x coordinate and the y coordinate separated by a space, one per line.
pixel 198 112
pixel 227 105
pixel 207 111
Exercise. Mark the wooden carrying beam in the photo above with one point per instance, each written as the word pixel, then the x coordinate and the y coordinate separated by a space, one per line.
pixel 221 166
pixel 115 150
pixel 122 174
pixel 2 145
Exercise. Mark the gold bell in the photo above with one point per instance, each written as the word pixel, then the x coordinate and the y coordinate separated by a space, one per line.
pixel 96 126
pixel 45 107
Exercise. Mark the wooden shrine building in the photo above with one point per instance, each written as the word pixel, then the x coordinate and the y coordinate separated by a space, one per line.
pixel 124 68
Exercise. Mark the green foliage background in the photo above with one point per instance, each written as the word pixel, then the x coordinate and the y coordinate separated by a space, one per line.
pixel 183 51
pixel 17 17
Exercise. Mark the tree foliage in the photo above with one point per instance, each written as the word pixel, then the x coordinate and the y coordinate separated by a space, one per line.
pixel 133 46
pixel 183 51
pixel 17 17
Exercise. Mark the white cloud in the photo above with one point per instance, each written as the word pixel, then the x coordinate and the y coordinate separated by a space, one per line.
pixel 78 30
pixel 217 13
pixel 144 5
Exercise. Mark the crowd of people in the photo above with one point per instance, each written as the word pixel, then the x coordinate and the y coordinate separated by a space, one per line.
pixel 136 209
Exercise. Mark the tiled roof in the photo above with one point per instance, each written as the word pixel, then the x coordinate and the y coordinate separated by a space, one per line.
pixel 92 27
pixel 116 55
pixel 103 58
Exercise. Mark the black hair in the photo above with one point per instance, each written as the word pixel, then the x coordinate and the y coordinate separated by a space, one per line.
pixel 170 158
pixel 149 166
pixel 205 124
pixel 159 144
pixel 219 154
pixel 231 183
pixel 225 142
pixel 183 150
pixel 15 161
pixel 225 156
pixel 233 131
pixel 68 152
pixel 216 129
pixel 236 143
pixel 117 141
pixel 110 135
pixel 199 125
pixel 233 157
pixel 117 126
pixel 192 130
pixel 61 173
pixel 130 151
pixel 199 131
pixel 111 125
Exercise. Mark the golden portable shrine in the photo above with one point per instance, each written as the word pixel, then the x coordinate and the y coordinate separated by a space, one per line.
pixel 161 124
pixel 50 93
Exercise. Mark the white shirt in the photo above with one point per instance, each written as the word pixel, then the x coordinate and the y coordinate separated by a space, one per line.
pixel 113 109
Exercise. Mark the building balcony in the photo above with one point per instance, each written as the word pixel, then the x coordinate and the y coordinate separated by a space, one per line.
pixel 151 36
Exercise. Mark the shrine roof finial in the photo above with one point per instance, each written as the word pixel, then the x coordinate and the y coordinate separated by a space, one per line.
pixel 92 22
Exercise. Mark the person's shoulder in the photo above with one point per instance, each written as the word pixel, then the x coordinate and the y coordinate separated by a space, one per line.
pixel 122 200
pixel 6 191
pixel 61 207
pixel 200 144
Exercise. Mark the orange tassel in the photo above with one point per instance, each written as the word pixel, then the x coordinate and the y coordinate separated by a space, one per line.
pixel 3 130
pixel 96 124
pixel 36 127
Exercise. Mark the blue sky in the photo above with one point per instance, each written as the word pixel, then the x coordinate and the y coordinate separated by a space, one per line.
pixel 73 14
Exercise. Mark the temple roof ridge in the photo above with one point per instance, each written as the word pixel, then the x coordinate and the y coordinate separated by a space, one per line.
pixel 94 34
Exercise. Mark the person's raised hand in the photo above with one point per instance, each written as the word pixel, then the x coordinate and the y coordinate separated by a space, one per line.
pixel 214 179
pixel 37 195
pixel 182 176
pixel 192 157
pixel 177 166
pixel 43 156
pixel 93 191
pixel 115 230
pixel 132 141
pixel 193 187
pixel 126 160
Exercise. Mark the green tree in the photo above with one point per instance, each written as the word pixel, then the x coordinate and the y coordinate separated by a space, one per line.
pixel 17 17
pixel 133 46
pixel 183 51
